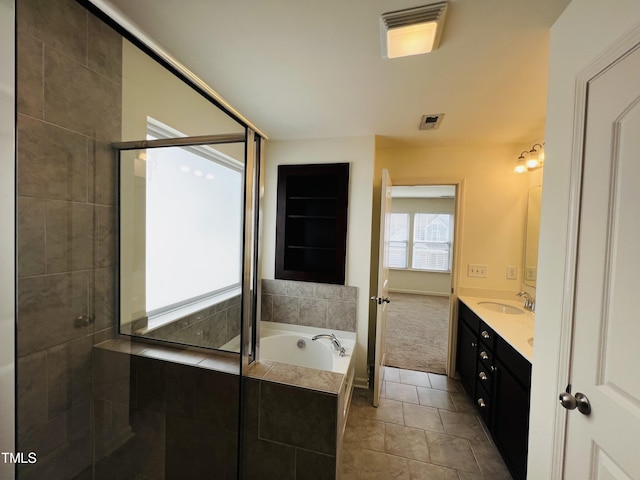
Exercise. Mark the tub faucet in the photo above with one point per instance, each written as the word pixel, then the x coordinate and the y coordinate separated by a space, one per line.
pixel 529 301
pixel 334 340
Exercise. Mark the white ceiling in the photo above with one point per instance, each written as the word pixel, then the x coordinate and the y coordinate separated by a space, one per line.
pixel 304 69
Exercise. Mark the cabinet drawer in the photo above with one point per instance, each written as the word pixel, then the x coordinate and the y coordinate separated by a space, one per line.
pixel 487 335
pixel 470 318
pixel 485 356
pixel 484 377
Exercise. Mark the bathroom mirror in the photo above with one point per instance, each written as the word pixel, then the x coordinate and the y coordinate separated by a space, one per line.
pixel 532 235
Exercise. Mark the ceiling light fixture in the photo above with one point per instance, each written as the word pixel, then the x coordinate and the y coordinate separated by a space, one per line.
pixel 412 31
pixel 530 159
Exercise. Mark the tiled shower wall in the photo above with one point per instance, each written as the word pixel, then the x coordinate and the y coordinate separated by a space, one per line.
pixel 69 109
pixel 211 327
pixel 321 305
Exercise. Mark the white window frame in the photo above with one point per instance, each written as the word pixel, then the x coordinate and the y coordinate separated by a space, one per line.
pixel 412 242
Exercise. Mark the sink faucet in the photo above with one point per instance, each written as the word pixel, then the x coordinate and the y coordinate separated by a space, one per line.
pixel 529 301
pixel 334 340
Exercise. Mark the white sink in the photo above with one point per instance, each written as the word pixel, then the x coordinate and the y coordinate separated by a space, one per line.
pixel 501 308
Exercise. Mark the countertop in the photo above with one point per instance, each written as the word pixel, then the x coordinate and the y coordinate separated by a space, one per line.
pixel 515 329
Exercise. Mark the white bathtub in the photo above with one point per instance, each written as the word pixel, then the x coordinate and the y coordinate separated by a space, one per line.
pixel 279 343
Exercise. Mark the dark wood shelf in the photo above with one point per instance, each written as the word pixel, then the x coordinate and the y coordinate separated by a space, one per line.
pixel 311 228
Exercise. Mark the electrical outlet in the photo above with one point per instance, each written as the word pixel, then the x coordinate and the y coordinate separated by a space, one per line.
pixel 477 271
pixel 530 273
pixel 512 272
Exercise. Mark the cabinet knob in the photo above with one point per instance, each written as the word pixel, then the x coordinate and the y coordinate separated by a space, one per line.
pixel 484 355
pixel 485 334
pixel 482 376
pixel 481 403
pixel 474 344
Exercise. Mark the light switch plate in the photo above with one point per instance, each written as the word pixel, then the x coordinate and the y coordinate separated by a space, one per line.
pixel 512 272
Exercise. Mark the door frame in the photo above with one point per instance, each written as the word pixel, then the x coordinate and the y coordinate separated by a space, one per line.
pixel 600 63
pixel 459 184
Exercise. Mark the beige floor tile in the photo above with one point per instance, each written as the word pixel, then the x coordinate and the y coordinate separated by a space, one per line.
pixel 389 411
pixel 367 434
pixel 442 382
pixel 401 392
pixel 391 374
pixel 419 416
pixel 406 442
pixel 463 425
pixel 451 452
pixel 420 379
pixel 489 459
pixel 428 471
pixel 436 398
pixel 361 464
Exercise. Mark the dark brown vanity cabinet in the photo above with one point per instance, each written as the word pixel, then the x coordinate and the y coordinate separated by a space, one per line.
pixel 311 224
pixel 498 378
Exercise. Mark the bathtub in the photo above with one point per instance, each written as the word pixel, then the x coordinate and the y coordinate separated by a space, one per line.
pixel 293 344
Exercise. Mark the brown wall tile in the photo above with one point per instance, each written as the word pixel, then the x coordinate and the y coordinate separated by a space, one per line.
pixel 52 161
pixel 298 417
pixel 31 236
pixel 80 99
pixel 69 375
pixel 30 71
pixel 105 50
pixel 32 393
pixel 62 24
pixel 47 308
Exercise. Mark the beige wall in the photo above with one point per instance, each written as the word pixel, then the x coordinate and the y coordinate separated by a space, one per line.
pixel 583 31
pixel 493 201
pixel 414 281
pixel 359 152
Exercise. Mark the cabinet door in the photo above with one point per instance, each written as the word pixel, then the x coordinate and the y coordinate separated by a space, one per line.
pixel 510 427
pixel 466 357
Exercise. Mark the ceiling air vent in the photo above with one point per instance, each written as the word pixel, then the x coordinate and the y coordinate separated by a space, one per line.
pixel 431 122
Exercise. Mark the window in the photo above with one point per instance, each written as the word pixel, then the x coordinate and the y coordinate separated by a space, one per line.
pixel 430 247
pixel 197 190
pixel 398 240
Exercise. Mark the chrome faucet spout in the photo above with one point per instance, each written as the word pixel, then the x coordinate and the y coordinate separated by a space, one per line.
pixel 529 301
pixel 334 340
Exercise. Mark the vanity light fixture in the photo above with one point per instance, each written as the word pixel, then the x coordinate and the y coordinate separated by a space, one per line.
pixel 412 31
pixel 530 159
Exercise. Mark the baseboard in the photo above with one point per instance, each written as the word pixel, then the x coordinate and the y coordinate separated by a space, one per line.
pixel 418 292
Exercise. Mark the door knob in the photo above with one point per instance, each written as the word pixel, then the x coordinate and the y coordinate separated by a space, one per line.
pixel 579 401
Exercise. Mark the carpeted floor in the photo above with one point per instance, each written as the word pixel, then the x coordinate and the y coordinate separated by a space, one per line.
pixel 417 332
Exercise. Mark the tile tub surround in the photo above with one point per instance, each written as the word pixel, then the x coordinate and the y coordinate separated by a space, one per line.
pixel 69 111
pixel 424 428
pixel 319 305
pixel 210 327
pixel 164 412
pixel 294 421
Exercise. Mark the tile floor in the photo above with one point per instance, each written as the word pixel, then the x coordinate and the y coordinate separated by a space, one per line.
pixel 424 428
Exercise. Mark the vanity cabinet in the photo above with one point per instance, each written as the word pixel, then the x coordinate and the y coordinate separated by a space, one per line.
pixel 498 379
pixel 311 223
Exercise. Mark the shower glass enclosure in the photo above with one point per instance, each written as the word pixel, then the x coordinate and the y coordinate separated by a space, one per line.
pixel 138 221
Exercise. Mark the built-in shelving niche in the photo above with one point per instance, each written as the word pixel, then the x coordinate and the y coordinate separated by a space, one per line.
pixel 311 229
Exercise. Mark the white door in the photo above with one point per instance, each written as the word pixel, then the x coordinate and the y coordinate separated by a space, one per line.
pixel 605 359
pixel 382 297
